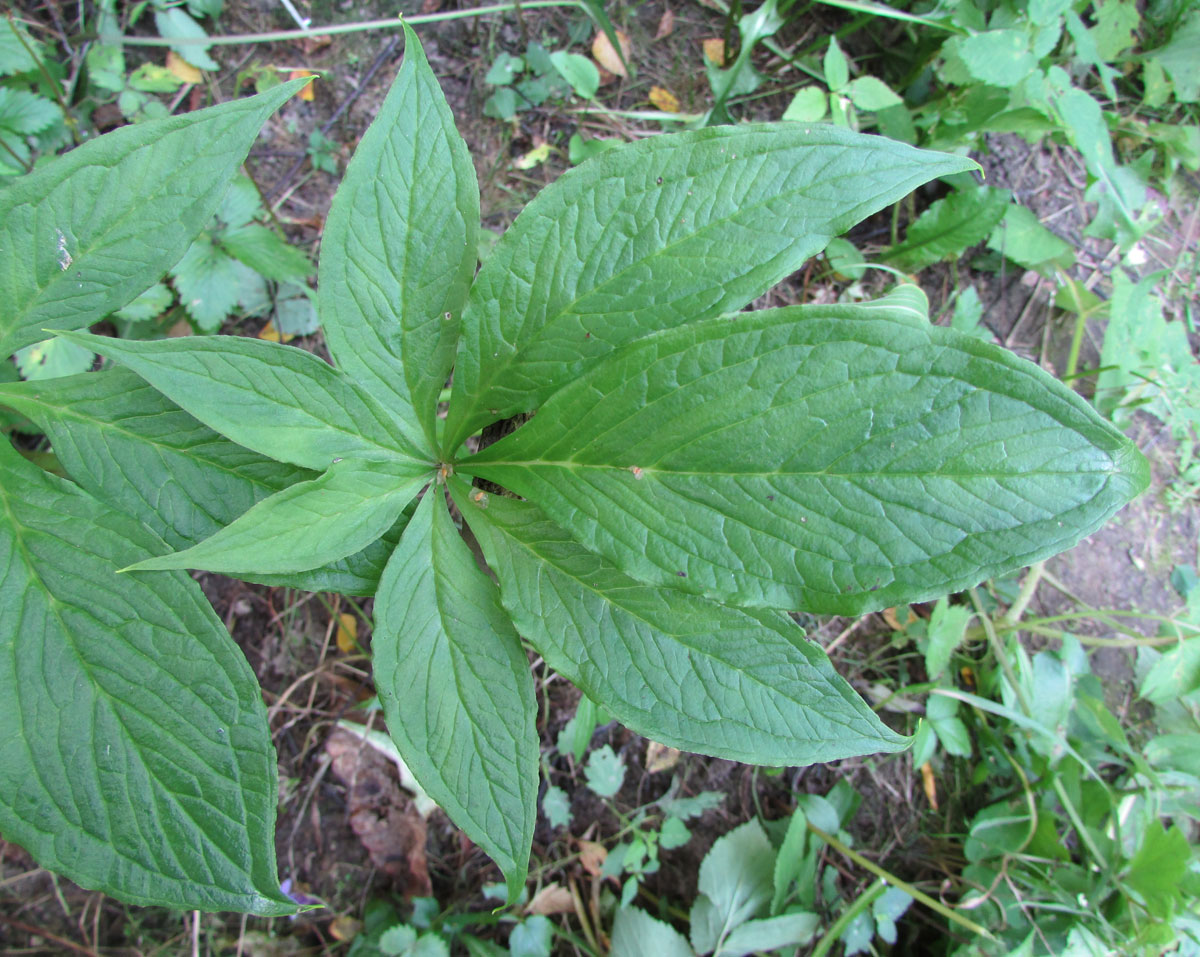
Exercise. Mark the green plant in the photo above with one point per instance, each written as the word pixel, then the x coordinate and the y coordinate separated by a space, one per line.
pixel 525 82
pixel 690 471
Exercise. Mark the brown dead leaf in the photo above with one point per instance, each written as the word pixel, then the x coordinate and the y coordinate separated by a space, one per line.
pixel 306 92
pixel 180 329
pixel 552 899
pixel 893 619
pixel 383 818
pixel 664 99
pixel 347 631
pixel 179 67
pixel 311 45
pixel 344 927
pixel 929 784
pixel 591 856
pixel 271 334
pixel 660 758
pixel 714 51
pixel 608 58
pixel 666 25
pixel 431 6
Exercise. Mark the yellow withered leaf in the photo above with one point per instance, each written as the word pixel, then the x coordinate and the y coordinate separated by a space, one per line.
pixel 664 99
pixel 604 53
pixel 347 633
pixel 179 67
pixel 714 51
pixel 306 93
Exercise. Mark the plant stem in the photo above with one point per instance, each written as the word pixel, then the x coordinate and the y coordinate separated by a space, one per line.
pixel 887 878
pixel 392 23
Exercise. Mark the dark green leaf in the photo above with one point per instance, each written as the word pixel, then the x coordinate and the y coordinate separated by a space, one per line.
pixel 949 227
pixel 398 251
pixel 135 756
pixel 669 665
pixel 656 234
pixel 456 690
pixel 831 458
pixel 1158 867
pixel 275 399
pixel 78 240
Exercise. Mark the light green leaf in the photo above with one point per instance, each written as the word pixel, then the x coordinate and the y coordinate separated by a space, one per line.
pixel 135 756
pixel 15 47
pixel 275 399
pixel 674 833
pixel 577 70
pixel 1024 240
pixel 148 305
pixel 831 458
pixel 871 93
pixel 456 690
pixel 241 202
pixel 212 284
pixel 669 665
pixel 132 448
pixel 585 268
pixel 888 908
pixel 52 359
pixel 1178 59
pixel 556 806
pixel 947 625
pixel 755 936
pixel 998 57
pixel 77 241
pixel 173 22
pixel 397 939
pixel 809 105
pixel 942 714
pixel 1117 22
pixel 636 933
pixel 24 113
pixel 1174 675
pixel 605 772
pixel 789 859
pixel 533 937
pixel 264 252
pixel 309 524
pixel 1159 865
pixel 837 69
pixel 949 227
pixel 398 251
pixel 735 883
pixel 296 311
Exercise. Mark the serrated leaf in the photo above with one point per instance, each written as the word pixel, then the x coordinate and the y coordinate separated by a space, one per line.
pixel 1175 674
pixel 211 284
pixel 556 806
pixel 399 248
pixel 309 524
pixel 15 47
pixel 148 305
pixel 1158 867
pixel 636 933
pixel 949 227
pixel 669 665
pixel 74 245
pixel 24 114
pixel 998 57
pixel 131 447
pixel 241 202
pixel 735 883
pixel 832 458
pixel 585 268
pixel 275 399
pixel 605 772
pixel 456 689
pixel 53 359
pixel 259 248
pixel 947 625
pixel 533 937
pixel 166 793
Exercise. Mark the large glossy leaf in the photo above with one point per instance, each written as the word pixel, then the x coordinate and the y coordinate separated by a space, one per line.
pixel 309 524
pixel 130 446
pixel 85 234
pixel 399 248
pixel 456 690
pixel 666 231
pixel 274 399
pixel 674 667
pixel 837 459
pixel 134 751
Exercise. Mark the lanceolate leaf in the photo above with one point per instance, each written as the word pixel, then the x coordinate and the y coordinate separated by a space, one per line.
pixel 656 234
pixel 456 689
pixel 84 235
pixel 676 668
pixel 836 462
pixel 309 524
pixel 130 446
pixel 277 400
pixel 950 226
pixel 399 248
pixel 134 751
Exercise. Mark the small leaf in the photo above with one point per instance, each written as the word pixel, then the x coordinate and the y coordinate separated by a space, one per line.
pixel 264 252
pixel 789 859
pixel 636 933
pixel 1023 239
pixel 809 105
pixel 174 22
pixel 532 937
pixel 210 283
pixel 556 806
pixel 149 305
pixel 950 226
pixel 608 57
pixel 456 689
pixel 674 833
pixel 52 359
pixel 837 69
pixel 605 772
pixel 947 625
pixel 871 93
pixel 505 70
pixel 942 714
pixel 664 99
pixel 309 524
pixel 755 936
pixel 1158 867
pixel 1175 674
pixel 579 71
pixel 24 113
pixel 735 884
pixel 178 67
pixel 347 633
